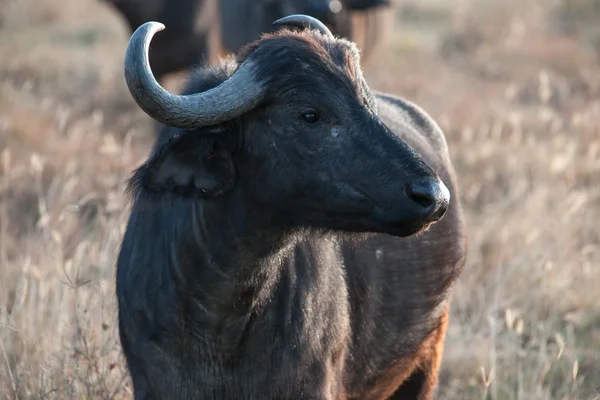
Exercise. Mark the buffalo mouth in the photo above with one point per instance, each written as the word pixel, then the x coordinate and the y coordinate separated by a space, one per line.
pixel 356 211
pixel 402 220
pixel 367 224
pixel 366 218
pixel 404 228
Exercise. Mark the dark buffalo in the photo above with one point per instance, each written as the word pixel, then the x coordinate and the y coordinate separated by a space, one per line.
pixel 201 30
pixel 293 234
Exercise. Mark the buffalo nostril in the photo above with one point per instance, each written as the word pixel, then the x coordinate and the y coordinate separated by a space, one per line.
pixel 421 195
pixel 432 195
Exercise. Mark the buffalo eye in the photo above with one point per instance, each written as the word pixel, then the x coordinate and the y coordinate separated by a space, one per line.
pixel 310 117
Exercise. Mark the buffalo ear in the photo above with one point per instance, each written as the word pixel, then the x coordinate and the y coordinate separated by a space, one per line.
pixel 191 164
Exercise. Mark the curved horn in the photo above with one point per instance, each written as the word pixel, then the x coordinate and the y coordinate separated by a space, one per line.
pixel 238 94
pixel 304 21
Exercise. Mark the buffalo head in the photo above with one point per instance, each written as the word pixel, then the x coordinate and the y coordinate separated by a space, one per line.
pixel 287 127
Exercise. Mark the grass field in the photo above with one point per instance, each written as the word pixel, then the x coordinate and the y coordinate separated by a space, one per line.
pixel 514 84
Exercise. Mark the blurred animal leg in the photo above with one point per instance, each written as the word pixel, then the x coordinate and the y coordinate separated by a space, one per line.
pixel 422 382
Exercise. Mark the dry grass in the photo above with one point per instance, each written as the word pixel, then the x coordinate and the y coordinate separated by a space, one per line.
pixel 517 97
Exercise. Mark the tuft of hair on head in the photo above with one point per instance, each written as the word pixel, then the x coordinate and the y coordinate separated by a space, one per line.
pixel 308 45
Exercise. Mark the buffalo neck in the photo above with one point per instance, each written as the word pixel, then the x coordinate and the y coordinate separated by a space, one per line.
pixel 219 258
pixel 219 283
pixel 236 247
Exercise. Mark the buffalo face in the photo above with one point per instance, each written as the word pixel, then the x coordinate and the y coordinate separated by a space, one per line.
pixel 292 129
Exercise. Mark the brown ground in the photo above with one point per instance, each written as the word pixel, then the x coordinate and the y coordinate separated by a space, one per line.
pixel 515 85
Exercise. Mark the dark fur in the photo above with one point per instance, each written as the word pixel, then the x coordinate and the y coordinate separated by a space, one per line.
pixel 366 4
pixel 246 270
pixel 184 44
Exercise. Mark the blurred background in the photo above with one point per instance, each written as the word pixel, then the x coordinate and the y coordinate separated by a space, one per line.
pixel 515 85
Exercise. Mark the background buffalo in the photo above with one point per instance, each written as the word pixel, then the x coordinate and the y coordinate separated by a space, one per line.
pixel 202 30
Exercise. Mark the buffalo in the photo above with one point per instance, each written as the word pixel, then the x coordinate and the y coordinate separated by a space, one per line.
pixel 293 234
pixel 203 30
